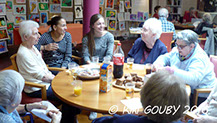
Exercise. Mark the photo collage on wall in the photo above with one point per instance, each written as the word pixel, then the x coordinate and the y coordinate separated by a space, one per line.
pixel 117 15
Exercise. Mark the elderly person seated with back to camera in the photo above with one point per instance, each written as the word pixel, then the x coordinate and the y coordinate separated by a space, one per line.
pixel 189 61
pixel 11 87
pixel 147 48
pixel 33 69
pixel 160 90
pixel 166 25
pixel 207 22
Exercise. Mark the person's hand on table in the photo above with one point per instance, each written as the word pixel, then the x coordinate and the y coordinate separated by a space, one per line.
pixel 55 115
pixel 51 47
pixel 35 105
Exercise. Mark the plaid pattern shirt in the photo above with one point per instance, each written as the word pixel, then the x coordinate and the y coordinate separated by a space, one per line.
pixel 167 26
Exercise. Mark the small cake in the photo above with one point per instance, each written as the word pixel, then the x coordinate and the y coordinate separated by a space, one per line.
pixel 139 85
pixel 133 74
pixel 119 82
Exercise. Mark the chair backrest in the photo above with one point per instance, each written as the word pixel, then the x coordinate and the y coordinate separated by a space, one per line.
pixel 14 63
pixel 213 59
pixel 166 38
pixel 202 39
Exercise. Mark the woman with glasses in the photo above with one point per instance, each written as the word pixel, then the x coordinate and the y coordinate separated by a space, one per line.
pixel 147 48
pixel 189 61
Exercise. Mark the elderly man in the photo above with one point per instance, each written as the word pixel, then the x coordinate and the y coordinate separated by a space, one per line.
pixel 166 25
pixel 189 61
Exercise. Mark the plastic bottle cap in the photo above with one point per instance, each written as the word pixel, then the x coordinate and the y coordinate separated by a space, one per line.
pixel 119 44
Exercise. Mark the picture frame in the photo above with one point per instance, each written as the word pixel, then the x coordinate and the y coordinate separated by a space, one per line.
pixel 101 2
pixel 44 1
pixel 10 17
pixel 54 1
pixel 2 1
pixel 127 5
pixel 43 6
pixel 10 26
pixel 20 1
pixel 140 16
pixel 146 16
pixel 2 9
pixel 112 24
pixel 55 8
pixel 122 25
pixel 10 41
pixel 9 5
pixel 78 12
pixel 121 16
pixel 77 2
pixel 34 17
pixel 133 17
pixel 19 9
pixel 121 6
pixel 110 13
pixel 3 47
pixel 66 3
pixel 43 17
pixel 3 23
pixel 78 21
pixel 109 4
pixel 3 34
pixel 33 6
pixel 19 18
pixel 68 16
pixel 127 16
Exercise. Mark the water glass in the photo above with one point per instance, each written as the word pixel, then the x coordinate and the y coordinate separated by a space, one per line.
pixel 129 88
pixel 95 59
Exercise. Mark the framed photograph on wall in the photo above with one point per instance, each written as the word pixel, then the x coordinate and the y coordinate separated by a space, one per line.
pixel 19 18
pixel 3 23
pixel 19 9
pixel 110 13
pixel 2 9
pixel 20 1
pixel 33 7
pixel 66 3
pixel 43 17
pixel 112 23
pixel 43 6
pixel 55 8
pixel 78 21
pixel 3 47
pixel 109 4
pixel 3 34
pixel 78 12
pixel 9 5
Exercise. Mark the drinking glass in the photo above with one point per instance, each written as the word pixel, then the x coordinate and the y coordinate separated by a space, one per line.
pixel 72 66
pixel 129 88
pixel 130 62
pixel 77 87
pixel 148 68
pixel 95 59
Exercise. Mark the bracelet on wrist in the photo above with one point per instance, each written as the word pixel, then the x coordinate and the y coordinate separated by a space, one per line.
pixel 25 107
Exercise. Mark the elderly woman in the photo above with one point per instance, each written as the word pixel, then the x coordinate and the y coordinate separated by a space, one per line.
pixel 207 22
pixel 56 44
pixel 149 47
pixel 11 86
pixel 98 41
pixel 33 69
pixel 188 61
pixel 157 92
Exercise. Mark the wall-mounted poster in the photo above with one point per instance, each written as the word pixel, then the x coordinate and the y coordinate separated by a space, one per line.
pixel 121 16
pixel 122 25
pixel 78 12
pixel 10 40
pixel 3 34
pixel 112 23
pixel 66 3
pixel 121 6
pixel 3 47
pixel 20 1
pixel 127 15
pixel 10 17
pixel 2 9
pixel 43 6
pixel 55 8
pixel 109 4
pixel 2 1
pixel 68 16
pixel 78 21
pixel 43 17
pixel 9 5
pixel 140 16
pixel 110 13
pixel 101 2
pixel 55 1
pixel 33 7
pixel 18 19
pixel 127 4
pixel 77 2
pixel 10 26
pixel 34 17
pixel 132 17
pixel 44 1
pixel 100 10
pixel 145 15
pixel 19 9
pixel 2 22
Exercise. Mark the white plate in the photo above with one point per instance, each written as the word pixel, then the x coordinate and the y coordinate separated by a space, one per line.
pixel 89 76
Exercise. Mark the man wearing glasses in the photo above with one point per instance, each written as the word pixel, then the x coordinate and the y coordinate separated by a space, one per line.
pixel 189 61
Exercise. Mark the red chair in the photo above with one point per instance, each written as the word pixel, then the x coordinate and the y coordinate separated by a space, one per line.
pixel 166 38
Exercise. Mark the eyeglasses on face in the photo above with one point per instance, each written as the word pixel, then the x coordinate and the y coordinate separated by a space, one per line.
pixel 180 46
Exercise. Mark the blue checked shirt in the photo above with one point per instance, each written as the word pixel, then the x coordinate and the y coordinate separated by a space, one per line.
pixel 167 26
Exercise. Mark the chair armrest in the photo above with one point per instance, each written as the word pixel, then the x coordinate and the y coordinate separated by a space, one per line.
pixel 190 115
pixel 42 87
pixel 56 69
pixel 78 58
pixel 200 90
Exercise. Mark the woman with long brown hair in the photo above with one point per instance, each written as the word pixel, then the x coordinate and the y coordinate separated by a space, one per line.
pixel 97 42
